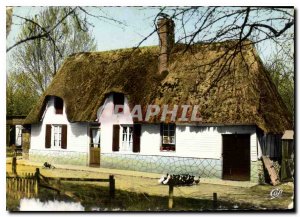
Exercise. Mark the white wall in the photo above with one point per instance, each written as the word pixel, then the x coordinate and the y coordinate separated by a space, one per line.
pixel 108 119
pixel 77 137
pixel 192 141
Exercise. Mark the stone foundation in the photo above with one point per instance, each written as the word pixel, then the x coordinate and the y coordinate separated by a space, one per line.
pixel 205 168
pixel 59 157
pixel 162 164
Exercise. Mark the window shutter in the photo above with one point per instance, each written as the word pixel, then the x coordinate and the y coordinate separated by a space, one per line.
pixel 64 135
pixel 136 137
pixel 48 136
pixel 161 132
pixel 116 139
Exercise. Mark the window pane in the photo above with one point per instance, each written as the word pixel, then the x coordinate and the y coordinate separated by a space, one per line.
pixel 165 139
pixel 124 134
pixel 171 126
pixel 168 140
pixel 172 139
pixel 95 136
pixel 165 127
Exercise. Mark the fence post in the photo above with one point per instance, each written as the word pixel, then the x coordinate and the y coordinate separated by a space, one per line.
pixel 111 186
pixel 215 201
pixel 37 181
pixel 14 165
pixel 31 185
pixel 171 189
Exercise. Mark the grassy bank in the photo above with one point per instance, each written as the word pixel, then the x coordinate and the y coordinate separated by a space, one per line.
pixel 135 193
pixel 96 198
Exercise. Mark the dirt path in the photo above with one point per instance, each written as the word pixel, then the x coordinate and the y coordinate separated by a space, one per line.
pixel 258 195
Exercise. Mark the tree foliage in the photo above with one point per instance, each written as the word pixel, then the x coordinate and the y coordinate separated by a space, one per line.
pixel 19 94
pixel 35 62
pixel 283 78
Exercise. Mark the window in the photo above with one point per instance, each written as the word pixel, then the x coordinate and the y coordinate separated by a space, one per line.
pixel 168 137
pixel 56 140
pixel 56 136
pixel 127 138
pixel 95 136
pixel 58 105
pixel 18 135
pixel 118 99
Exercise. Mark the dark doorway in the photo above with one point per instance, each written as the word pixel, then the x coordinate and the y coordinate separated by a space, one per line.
pixel 12 135
pixel 236 157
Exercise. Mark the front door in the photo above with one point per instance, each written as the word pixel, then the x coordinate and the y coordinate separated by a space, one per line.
pixel 95 146
pixel 236 157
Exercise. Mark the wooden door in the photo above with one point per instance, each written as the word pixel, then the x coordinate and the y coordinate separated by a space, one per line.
pixel 236 157
pixel 94 156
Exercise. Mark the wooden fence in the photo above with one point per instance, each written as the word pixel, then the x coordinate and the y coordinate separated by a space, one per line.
pixel 28 184
pixel 25 185
pixel 56 183
pixel 171 198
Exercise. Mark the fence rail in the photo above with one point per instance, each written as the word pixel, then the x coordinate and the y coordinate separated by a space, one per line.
pixel 171 197
pixel 46 184
pixel 25 185
pixel 28 184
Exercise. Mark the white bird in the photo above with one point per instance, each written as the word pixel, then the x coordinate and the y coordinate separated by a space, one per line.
pixel 163 177
pixel 167 180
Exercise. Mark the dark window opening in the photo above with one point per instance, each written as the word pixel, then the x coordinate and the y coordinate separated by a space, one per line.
pixel 58 105
pixel 119 99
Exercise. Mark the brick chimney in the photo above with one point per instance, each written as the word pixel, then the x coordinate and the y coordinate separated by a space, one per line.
pixel 165 29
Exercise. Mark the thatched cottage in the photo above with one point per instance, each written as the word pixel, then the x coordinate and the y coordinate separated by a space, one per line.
pixel 240 115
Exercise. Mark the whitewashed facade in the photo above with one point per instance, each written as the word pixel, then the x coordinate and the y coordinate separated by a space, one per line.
pixel 198 148
pixel 77 139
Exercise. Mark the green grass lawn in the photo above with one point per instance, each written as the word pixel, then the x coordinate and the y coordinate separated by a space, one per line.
pixel 97 198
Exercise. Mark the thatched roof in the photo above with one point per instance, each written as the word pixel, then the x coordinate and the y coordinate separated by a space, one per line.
pixel 229 91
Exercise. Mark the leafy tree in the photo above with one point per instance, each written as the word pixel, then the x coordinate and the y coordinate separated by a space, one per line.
pixel 19 95
pixel 35 62
pixel 283 78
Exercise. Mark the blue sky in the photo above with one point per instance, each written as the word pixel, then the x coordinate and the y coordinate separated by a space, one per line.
pixel 137 24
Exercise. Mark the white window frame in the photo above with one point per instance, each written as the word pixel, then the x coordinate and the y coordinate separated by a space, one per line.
pixel 55 139
pixel 127 145
pixel 168 136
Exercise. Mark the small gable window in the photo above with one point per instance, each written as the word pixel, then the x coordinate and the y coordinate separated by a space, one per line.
pixel 118 99
pixel 168 137
pixel 58 105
